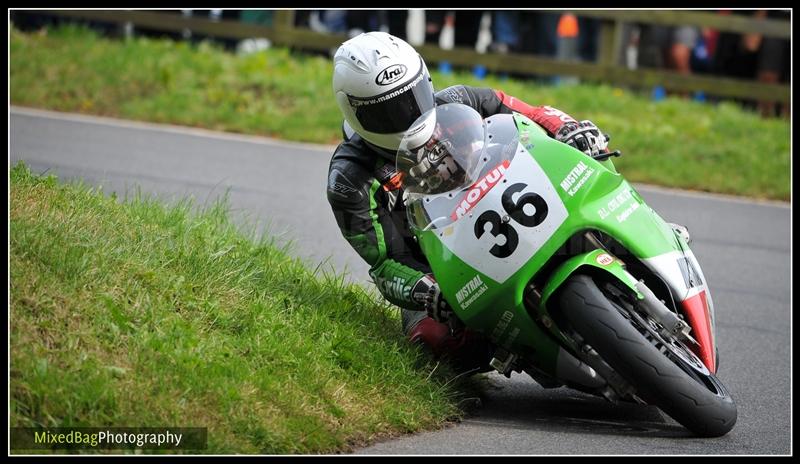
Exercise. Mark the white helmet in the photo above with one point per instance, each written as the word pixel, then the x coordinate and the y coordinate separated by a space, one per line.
pixel 382 87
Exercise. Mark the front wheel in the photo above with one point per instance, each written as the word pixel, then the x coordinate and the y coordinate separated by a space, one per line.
pixel 687 392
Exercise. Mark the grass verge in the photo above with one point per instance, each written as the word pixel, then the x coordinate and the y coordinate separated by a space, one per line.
pixel 136 314
pixel 674 143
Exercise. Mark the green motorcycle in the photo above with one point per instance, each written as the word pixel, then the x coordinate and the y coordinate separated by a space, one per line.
pixel 559 261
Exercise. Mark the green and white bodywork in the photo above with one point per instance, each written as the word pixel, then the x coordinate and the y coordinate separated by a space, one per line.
pixel 502 241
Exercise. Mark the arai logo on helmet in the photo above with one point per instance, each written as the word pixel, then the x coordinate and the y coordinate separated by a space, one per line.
pixel 391 74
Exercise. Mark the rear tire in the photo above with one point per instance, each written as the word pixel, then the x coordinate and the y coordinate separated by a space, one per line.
pixel 697 400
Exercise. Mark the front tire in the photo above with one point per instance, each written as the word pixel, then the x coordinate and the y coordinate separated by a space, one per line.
pixel 698 401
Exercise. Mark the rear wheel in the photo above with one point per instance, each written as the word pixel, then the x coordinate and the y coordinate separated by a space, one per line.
pixel 663 372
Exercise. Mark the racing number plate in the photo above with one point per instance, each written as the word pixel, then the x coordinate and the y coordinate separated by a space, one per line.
pixel 510 223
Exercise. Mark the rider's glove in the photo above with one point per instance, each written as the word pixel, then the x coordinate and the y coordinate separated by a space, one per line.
pixel 584 136
pixel 427 293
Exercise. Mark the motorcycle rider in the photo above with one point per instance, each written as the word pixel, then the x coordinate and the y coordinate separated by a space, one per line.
pixel 382 86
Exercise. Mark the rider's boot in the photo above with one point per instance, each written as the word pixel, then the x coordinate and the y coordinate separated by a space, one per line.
pixel 464 349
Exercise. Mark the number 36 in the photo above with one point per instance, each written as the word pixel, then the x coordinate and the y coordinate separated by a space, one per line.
pixel 517 213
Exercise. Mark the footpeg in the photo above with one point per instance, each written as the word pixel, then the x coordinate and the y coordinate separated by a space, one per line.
pixel 502 361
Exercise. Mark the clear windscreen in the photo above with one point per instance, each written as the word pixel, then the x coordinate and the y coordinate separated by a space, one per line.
pixel 453 163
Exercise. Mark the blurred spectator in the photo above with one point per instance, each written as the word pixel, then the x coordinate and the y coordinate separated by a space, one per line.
pixel 701 60
pixel 588 38
pixel 567 44
pixel 397 22
pixel 484 38
pixel 334 21
pixel 434 21
pixel 567 37
pixel 773 64
pixel 546 28
pixel 736 54
pixel 753 56
pixel 359 21
pixel 667 47
pixel 505 31
pixel 468 23
pixel 684 39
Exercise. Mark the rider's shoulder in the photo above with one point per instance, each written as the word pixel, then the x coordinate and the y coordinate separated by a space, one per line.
pixel 454 94
pixel 349 173
pixel 354 152
pixel 464 94
pixel 347 179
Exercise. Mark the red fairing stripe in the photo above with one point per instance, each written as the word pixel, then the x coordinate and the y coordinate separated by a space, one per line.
pixel 549 118
pixel 697 312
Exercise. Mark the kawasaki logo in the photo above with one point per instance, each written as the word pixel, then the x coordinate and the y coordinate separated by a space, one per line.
pixel 391 74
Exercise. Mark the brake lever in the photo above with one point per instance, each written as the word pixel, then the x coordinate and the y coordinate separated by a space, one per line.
pixel 605 156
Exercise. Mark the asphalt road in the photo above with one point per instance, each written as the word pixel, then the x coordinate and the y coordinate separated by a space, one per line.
pixel 743 247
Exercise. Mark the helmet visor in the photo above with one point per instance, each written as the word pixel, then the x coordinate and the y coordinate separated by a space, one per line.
pixel 395 110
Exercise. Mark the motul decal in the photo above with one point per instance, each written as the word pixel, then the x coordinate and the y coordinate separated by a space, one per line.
pixel 479 189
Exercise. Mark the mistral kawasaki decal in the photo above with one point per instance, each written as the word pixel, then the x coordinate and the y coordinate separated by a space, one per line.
pixel 471 292
pixel 479 189
pixel 576 178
